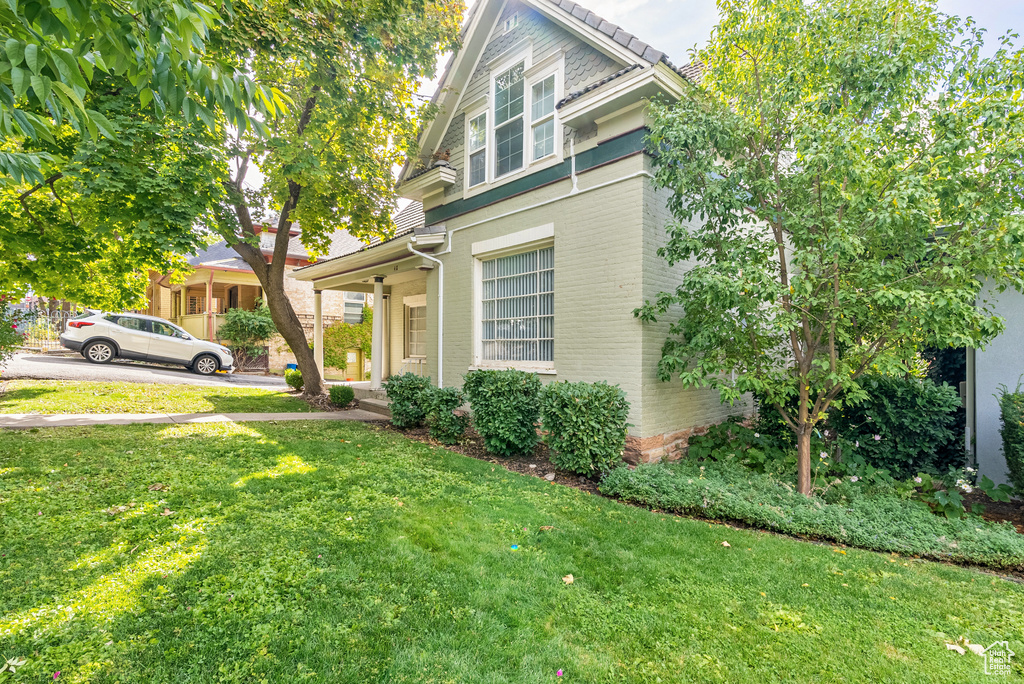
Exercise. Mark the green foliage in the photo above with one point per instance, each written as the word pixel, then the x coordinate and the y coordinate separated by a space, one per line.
pixel 836 219
pixel 731 440
pixel 248 331
pixel 584 425
pixel 903 425
pixel 341 395
pixel 160 50
pixel 880 522
pixel 340 337
pixel 505 409
pixel 293 377
pixel 12 322
pixel 1011 412
pixel 442 408
pixel 408 395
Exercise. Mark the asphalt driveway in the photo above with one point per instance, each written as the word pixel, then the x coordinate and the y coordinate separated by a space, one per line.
pixel 74 367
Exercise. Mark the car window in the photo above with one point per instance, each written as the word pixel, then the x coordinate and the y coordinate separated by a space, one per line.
pixel 166 330
pixel 130 322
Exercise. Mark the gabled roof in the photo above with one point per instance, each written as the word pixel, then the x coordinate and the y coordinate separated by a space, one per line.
pixel 408 220
pixel 604 35
pixel 220 255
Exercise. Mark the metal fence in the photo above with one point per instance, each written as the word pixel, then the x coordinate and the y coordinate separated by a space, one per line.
pixel 43 328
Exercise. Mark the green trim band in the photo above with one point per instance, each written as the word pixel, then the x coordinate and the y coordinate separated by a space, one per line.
pixel 609 150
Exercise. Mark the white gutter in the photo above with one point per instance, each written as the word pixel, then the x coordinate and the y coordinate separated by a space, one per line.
pixel 440 273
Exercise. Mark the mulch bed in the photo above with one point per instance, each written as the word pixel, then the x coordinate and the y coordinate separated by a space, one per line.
pixel 537 464
pixel 997 511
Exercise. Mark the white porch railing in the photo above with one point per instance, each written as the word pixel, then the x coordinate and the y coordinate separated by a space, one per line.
pixel 415 366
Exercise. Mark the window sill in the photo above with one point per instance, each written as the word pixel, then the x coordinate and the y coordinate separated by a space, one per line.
pixel 513 366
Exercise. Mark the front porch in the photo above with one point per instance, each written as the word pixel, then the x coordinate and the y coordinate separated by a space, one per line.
pixel 404 337
pixel 200 303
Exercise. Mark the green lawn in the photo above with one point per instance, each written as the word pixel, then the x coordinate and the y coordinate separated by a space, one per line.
pixel 332 553
pixel 59 396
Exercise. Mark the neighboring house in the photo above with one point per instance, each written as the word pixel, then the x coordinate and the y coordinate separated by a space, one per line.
pixel 1001 363
pixel 541 221
pixel 222 280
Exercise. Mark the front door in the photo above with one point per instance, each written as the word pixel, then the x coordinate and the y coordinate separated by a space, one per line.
pixel 168 343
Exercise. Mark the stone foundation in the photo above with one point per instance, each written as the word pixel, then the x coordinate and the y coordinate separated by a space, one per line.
pixel 668 446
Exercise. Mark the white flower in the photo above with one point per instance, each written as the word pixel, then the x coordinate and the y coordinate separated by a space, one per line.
pixel 856 444
pixel 918 480
pixel 968 489
pixel 970 470
pixel 757 434
pixel 878 438
pixel 854 479
pixel 824 455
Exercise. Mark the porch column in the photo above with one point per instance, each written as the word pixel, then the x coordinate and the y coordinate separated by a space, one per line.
pixel 209 308
pixel 377 339
pixel 318 333
pixel 182 303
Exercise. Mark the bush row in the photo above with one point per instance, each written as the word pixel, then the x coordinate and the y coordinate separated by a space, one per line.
pixel 881 522
pixel 584 424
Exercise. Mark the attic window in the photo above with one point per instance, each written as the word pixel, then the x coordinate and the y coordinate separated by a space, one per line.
pixel 511 22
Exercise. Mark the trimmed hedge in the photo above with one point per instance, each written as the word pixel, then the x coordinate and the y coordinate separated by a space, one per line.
pixel 584 425
pixel 341 395
pixel 440 405
pixel 406 393
pixel 879 522
pixel 293 377
pixel 505 409
pixel 1011 410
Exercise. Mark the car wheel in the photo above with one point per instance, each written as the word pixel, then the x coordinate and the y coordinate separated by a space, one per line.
pixel 205 365
pixel 99 352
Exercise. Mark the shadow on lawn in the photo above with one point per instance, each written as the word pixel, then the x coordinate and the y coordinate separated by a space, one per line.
pixel 10 398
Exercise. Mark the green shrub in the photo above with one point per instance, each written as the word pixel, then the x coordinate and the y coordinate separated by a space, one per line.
pixel 341 395
pixel 883 522
pixel 505 409
pixel 584 424
pixel 905 426
pixel 440 405
pixel 293 377
pixel 406 393
pixel 731 440
pixel 1011 409
pixel 248 331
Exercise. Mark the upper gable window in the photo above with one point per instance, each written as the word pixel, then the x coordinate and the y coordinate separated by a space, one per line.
pixel 509 94
pixel 511 22
pixel 478 150
pixel 543 116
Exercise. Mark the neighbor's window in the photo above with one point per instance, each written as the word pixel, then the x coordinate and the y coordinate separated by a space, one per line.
pixel 518 322
pixel 508 120
pixel 416 332
pixel 354 302
pixel 478 150
pixel 543 117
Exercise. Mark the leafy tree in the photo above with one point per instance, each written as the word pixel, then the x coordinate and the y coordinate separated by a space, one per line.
pixel 351 69
pixel 340 337
pixel 844 179
pixel 52 54
pixel 115 209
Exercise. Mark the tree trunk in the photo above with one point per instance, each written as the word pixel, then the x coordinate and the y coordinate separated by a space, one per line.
pixel 271 277
pixel 803 460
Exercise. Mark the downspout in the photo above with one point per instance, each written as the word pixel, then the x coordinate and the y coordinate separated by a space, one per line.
pixel 440 310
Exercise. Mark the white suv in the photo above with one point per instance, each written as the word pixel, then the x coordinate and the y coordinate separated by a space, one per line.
pixel 102 337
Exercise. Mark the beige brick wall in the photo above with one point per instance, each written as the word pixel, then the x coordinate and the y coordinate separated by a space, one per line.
pixel 667 406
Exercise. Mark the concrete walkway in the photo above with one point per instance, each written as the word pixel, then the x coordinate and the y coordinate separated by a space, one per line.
pixel 37 420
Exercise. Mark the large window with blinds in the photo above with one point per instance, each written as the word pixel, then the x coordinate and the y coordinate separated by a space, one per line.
pixel 518 309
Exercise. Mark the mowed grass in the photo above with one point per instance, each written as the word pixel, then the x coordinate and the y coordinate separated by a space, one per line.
pixel 337 553
pixel 60 396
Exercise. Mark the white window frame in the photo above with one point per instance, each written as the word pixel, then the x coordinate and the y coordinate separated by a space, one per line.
pixel 533 73
pixel 410 303
pixel 512 22
pixel 529 240
pixel 485 112
pixel 348 299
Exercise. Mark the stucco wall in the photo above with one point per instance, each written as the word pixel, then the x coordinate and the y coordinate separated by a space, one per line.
pixel 1000 363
